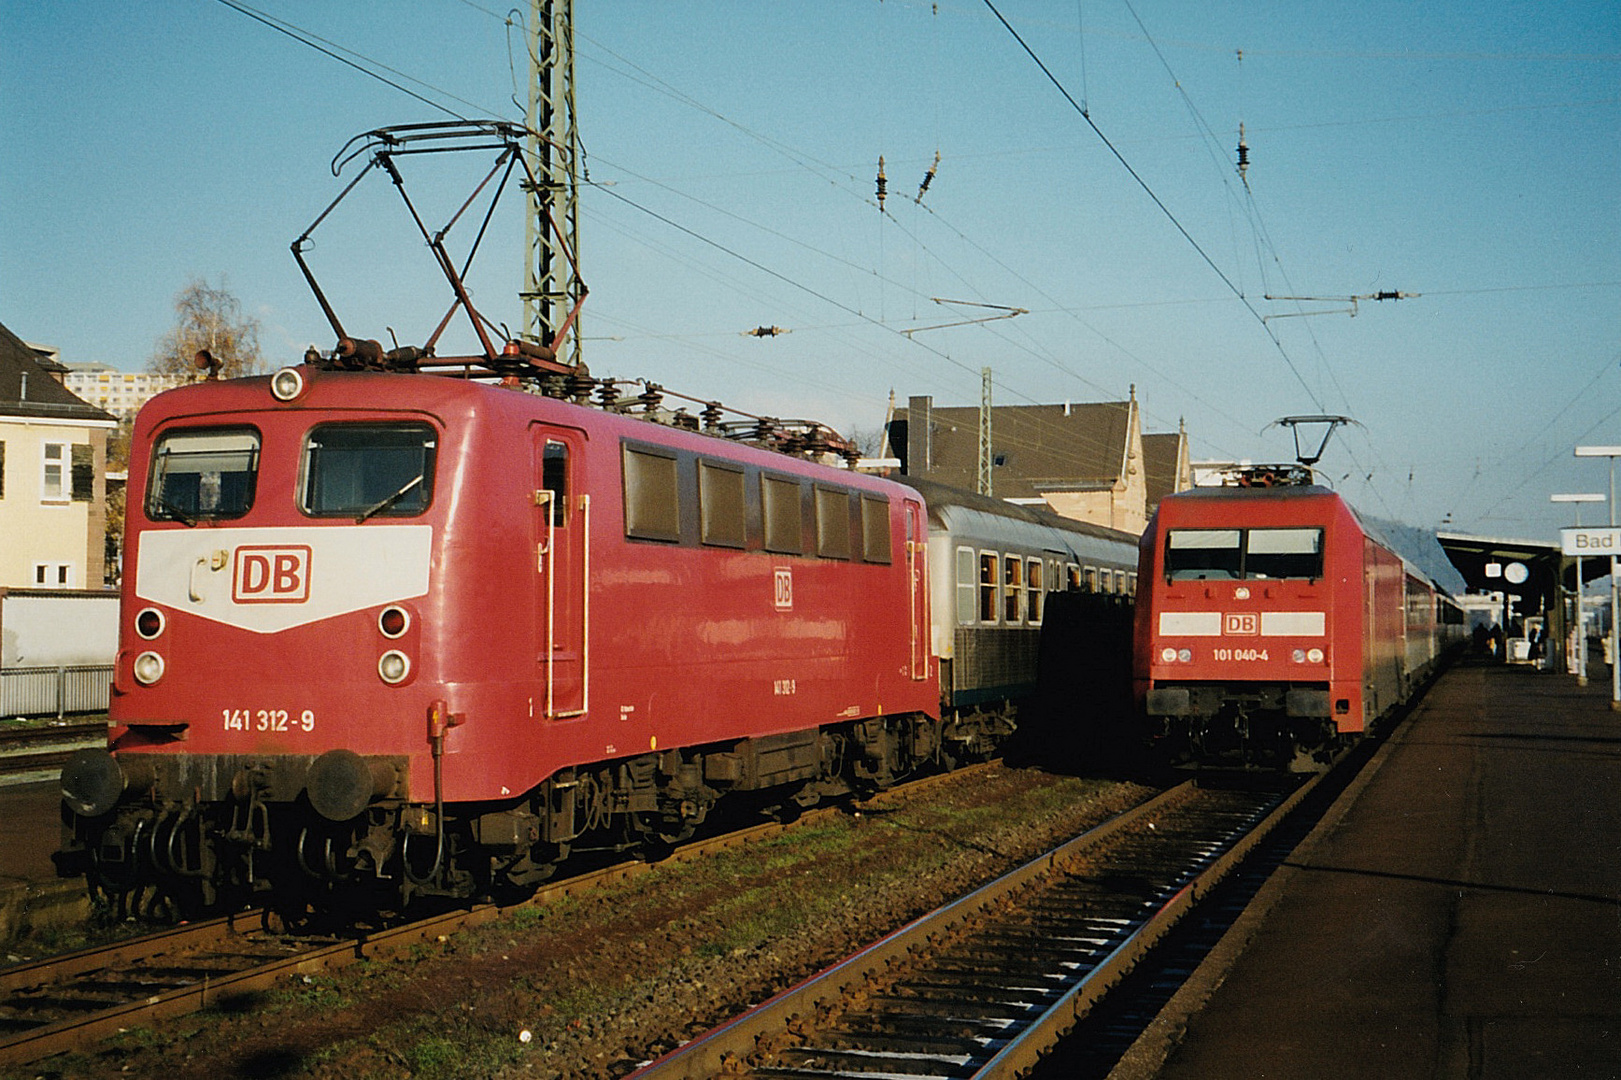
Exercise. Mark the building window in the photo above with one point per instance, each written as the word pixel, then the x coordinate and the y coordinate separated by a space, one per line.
pixel 53 575
pixel 84 472
pixel 54 473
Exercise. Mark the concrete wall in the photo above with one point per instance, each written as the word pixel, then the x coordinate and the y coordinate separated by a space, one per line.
pixel 46 627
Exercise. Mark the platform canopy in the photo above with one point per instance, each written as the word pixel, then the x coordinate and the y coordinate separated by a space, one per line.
pixel 1523 568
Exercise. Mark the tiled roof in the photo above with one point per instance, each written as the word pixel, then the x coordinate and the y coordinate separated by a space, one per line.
pixel 1160 454
pixel 1037 447
pixel 27 388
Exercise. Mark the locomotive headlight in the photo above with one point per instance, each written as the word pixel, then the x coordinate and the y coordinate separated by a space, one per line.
pixel 392 667
pixel 149 623
pixel 1168 655
pixel 1315 656
pixel 1185 656
pixel 393 622
pixel 286 384
pixel 148 668
pixel 1298 656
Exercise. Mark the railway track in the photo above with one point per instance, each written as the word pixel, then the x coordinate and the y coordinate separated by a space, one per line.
pixel 65 1002
pixel 987 985
pixel 28 751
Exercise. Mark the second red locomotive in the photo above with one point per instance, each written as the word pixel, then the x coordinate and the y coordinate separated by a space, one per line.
pixel 1272 623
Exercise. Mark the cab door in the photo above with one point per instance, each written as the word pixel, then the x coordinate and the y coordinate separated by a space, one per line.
pixel 562 536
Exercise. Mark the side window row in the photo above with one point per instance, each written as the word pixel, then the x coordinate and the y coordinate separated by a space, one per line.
pixel 676 497
pixel 1011 589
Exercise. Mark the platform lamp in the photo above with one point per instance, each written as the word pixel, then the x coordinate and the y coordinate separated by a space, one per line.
pixel 1581 632
pixel 1611 452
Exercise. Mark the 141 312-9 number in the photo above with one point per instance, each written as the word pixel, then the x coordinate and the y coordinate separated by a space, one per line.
pixel 268 720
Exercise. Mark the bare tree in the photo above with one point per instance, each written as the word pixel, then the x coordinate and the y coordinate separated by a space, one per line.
pixel 872 442
pixel 208 318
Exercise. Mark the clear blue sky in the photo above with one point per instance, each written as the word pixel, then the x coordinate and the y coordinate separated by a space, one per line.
pixel 1466 151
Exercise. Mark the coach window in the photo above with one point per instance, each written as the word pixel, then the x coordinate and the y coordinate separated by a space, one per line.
pixel 1131 584
pixel 784 519
pixel 875 530
pixel 203 474
pixel 1072 574
pixel 1033 579
pixel 652 499
pixel 832 523
pixel 1091 579
pixel 987 586
pixel 369 470
pixel 966 586
pixel 721 504
pixel 1012 589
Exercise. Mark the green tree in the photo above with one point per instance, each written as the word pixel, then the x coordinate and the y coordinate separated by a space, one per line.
pixel 208 317
pixel 118 443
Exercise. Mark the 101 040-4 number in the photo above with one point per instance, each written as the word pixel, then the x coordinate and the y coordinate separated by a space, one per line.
pixel 1239 654
pixel 268 720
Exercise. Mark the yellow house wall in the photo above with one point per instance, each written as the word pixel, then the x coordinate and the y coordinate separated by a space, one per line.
pixel 34 530
pixel 1123 506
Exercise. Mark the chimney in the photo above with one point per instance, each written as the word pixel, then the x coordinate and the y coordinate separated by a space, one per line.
pixel 919 437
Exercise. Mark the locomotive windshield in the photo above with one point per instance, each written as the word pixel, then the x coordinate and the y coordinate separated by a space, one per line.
pixel 1201 554
pixel 369 470
pixel 203 474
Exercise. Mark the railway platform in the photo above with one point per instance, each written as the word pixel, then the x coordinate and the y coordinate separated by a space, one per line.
pixel 1458 914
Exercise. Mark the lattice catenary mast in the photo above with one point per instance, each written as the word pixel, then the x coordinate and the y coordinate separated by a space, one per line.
pixel 552 285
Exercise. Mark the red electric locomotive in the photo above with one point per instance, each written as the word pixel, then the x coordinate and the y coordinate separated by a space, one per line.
pixel 387 634
pixel 1272 624
pixel 430 633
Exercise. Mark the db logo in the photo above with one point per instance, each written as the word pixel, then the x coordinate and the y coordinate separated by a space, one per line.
pixel 784 589
pixel 271 575
pixel 1241 623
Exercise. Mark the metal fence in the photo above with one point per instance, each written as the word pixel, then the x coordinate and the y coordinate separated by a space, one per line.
pixel 55 691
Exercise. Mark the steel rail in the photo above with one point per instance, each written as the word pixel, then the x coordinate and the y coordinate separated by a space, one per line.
pixel 722 1049
pixel 727 1049
pixel 1026 1049
pixel 53 1038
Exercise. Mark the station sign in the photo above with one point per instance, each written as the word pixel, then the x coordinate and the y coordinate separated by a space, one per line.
pixel 1591 541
